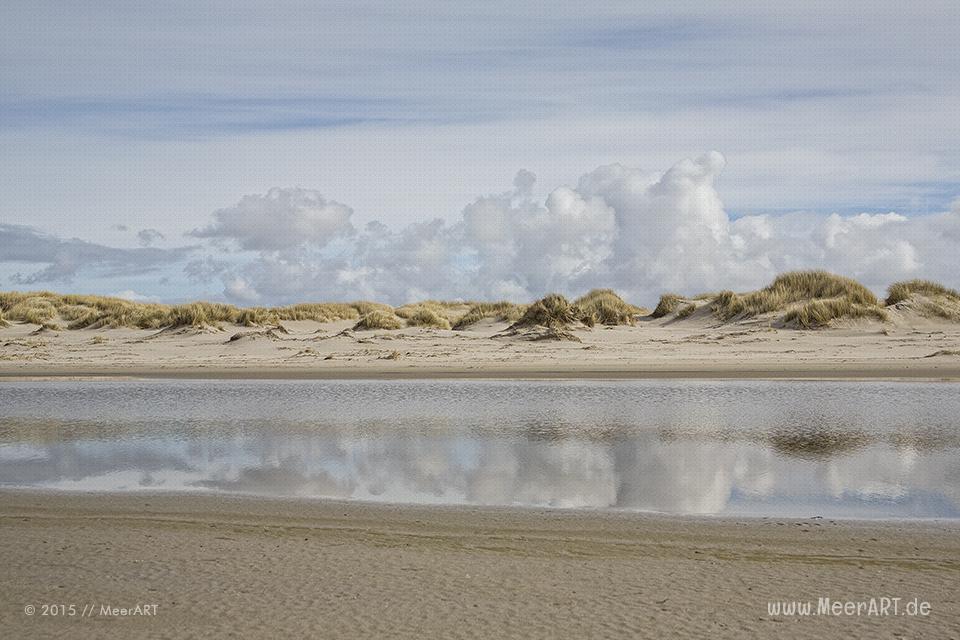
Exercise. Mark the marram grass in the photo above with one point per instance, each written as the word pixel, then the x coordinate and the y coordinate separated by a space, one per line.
pixel 605 307
pixel 900 291
pixel 378 319
pixel 669 302
pixel 793 288
pixel 499 311
pixel 803 298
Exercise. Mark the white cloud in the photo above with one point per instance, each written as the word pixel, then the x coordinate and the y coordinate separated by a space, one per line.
pixel 280 219
pixel 61 259
pixel 133 296
pixel 148 236
pixel 639 232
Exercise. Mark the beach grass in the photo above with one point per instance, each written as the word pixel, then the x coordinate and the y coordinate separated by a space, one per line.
pixel 669 302
pixel 378 319
pixel 424 315
pixel 801 298
pixel 820 313
pixel 929 299
pixel 808 298
pixel 499 311
pixel 686 311
pixel 553 311
pixel 606 307
pixel 900 291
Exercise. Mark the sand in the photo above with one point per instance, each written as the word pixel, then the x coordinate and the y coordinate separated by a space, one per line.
pixel 920 348
pixel 244 567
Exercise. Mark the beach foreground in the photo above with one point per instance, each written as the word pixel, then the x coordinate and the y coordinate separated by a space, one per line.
pixel 245 567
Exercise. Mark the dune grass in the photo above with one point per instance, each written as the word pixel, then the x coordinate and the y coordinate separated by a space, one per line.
pixel 605 307
pixel 425 316
pixel 930 299
pixel 438 314
pixel 819 313
pixel 555 312
pixel 33 310
pixel 803 298
pixel 900 291
pixel 378 319
pixel 499 311
pixel 669 302
pixel 809 298
pixel 686 311
pixel 96 312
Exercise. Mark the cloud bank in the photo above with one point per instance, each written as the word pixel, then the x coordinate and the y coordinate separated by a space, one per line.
pixel 62 260
pixel 639 232
pixel 642 233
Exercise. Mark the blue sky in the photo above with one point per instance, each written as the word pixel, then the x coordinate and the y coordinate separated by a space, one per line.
pixel 126 116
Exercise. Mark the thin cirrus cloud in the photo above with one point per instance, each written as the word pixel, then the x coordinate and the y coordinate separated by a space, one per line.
pixel 821 106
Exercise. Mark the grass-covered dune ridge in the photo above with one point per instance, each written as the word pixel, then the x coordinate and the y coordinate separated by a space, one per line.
pixel 802 298
pixel 806 298
pixel 810 299
pixel 929 299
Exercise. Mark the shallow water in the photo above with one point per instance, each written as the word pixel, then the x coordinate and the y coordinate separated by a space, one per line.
pixel 852 449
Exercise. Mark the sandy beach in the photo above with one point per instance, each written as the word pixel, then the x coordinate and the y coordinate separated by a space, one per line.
pixel 909 348
pixel 244 567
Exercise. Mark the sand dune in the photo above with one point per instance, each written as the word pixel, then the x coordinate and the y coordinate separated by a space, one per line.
pixel 907 345
pixel 807 324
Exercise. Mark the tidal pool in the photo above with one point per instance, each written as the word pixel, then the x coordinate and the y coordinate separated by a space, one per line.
pixel 841 449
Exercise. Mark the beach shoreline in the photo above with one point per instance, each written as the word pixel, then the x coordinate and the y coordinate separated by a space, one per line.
pixel 219 564
pixel 886 371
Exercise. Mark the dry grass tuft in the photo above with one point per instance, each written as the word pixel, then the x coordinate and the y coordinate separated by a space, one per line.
pixel 553 311
pixel 202 314
pixel 791 288
pixel 378 319
pixel 363 307
pixel 257 316
pixel 686 311
pixel 500 311
pixel 900 291
pixel 810 298
pixel 32 309
pixel 605 307
pixel 425 316
pixel 819 313
pixel 323 312
pixel 930 299
pixel 3 323
pixel 669 302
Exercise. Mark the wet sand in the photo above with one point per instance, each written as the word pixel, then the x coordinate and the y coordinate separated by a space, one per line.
pixel 246 567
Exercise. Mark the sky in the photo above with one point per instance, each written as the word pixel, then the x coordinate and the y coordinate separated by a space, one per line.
pixel 267 153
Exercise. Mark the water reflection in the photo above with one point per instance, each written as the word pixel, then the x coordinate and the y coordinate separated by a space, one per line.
pixel 854 449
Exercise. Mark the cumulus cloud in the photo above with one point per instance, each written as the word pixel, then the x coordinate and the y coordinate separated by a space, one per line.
pixel 280 219
pixel 639 232
pixel 133 296
pixel 148 236
pixel 642 233
pixel 61 259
